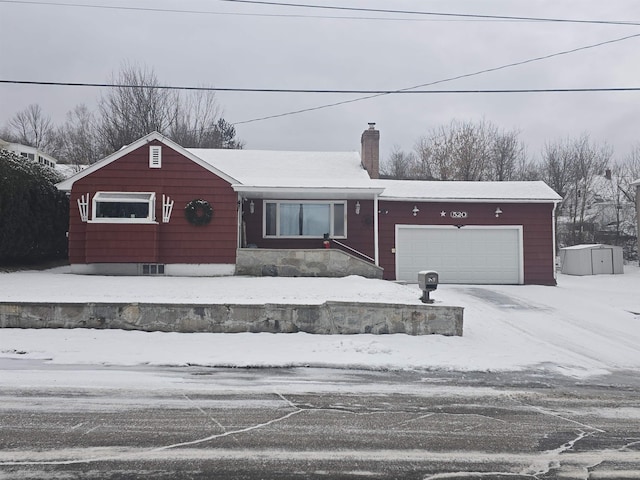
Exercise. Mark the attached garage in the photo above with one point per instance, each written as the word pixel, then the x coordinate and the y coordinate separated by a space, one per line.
pixel 469 254
pixel 469 232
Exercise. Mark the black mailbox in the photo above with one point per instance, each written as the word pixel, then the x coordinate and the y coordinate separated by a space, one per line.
pixel 427 281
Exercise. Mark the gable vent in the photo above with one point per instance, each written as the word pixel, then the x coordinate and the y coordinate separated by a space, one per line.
pixel 155 156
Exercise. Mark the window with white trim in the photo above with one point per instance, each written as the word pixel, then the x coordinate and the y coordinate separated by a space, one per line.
pixel 311 219
pixel 124 207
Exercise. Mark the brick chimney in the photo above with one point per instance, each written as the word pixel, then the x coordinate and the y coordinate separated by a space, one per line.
pixel 370 154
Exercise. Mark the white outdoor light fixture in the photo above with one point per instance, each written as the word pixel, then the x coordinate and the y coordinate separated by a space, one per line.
pixel 252 207
pixel 498 212
pixel 415 210
pixel 358 208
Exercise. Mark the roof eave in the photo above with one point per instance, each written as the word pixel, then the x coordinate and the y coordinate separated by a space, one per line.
pixel 273 192
pixel 470 200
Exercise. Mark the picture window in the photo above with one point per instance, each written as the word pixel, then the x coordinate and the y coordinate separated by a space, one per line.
pixel 305 219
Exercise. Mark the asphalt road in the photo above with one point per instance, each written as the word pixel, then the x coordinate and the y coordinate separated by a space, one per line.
pixel 71 422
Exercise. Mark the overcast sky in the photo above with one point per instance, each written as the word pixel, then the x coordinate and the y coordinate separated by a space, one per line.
pixel 46 42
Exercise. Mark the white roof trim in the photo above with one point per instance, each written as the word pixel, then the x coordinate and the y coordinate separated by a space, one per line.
pixel 67 184
pixel 311 193
pixel 467 192
pixel 256 188
pixel 468 200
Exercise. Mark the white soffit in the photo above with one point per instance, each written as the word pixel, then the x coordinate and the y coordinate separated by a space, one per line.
pixel 434 191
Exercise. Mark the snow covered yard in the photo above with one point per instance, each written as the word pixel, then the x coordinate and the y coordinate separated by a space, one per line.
pixel 584 326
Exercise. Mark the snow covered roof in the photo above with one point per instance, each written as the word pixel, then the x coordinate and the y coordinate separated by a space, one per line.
pixel 265 172
pixel 67 170
pixel 295 174
pixel 397 190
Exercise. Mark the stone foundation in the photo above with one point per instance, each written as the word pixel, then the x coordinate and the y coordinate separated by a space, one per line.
pixel 331 262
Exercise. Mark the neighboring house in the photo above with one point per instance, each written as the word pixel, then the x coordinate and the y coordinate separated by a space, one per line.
pixel 636 185
pixel 155 207
pixel 30 153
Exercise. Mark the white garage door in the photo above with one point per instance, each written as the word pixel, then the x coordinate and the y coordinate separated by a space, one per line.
pixel 475 255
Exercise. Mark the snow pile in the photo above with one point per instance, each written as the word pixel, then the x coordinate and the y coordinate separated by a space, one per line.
pixel 584 326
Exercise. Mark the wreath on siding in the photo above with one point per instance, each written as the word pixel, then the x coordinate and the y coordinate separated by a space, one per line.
pixel 198 212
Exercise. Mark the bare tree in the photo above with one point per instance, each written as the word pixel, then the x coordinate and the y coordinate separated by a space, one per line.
pixel 195 121
pixel 134 108
pixel 506 155
pixel 430 157
pixel 32 127
pixel 527 169
pixel 468 151
pixel 139 105
pixel 76 138
pixel 631 166
pixel 399 165
pixel 471 146
pixel 556 167
pixel 571 168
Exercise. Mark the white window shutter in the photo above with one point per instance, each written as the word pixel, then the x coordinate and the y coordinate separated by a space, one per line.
pixel 155 156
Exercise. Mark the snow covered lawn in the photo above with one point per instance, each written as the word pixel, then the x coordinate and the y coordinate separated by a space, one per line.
pixel 584 326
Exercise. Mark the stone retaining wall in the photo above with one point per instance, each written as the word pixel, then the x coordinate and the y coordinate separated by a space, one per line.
pixel 326 318
pixel 331 262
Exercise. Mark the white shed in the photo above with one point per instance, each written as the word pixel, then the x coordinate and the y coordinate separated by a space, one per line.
pixel 591 259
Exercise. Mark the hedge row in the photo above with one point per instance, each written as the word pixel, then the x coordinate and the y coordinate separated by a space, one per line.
pixel 34 215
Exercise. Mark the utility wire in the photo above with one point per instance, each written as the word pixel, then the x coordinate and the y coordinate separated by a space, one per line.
pixel 418 12
pixel 237 14
pixel 444 15
pixel 369 93
pixel 466 75
pixel 302 90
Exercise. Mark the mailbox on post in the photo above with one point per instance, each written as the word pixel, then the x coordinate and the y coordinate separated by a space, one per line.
pixel 427 281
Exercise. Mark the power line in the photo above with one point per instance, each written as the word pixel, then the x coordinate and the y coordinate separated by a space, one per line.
pixel 302 90
pixel 444 15
pixel 175 10
pixel 418 12
pixel 467 75
pixel 370 93
pixel 237 14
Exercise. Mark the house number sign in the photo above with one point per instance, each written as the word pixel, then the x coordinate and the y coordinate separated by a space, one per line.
pixel 458 214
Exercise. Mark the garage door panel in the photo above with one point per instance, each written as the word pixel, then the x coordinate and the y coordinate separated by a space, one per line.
pixel 482 255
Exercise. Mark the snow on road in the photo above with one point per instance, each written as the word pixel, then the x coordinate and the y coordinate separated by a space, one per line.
pixel 583 326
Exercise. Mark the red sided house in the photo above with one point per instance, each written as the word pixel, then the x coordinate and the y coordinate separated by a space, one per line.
pixel 155 207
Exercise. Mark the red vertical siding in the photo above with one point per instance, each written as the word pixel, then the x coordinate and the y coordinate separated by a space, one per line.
pixel 359 230
pixel 175 242
pixel 536 221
